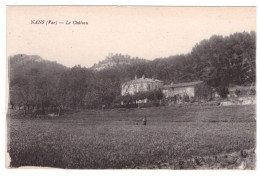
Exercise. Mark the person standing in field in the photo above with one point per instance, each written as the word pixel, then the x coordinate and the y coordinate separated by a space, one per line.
pixel 144 120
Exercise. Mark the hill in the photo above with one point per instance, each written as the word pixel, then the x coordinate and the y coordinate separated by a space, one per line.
pixel 115 61
pixel 32 79
pixel 219 61
pixel 22 64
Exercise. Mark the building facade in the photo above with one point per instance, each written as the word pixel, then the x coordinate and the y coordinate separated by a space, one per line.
pixel 140 85
pixel 186 91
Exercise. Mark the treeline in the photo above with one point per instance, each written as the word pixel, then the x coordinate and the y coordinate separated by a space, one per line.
pixel 220 61
pixel 40 85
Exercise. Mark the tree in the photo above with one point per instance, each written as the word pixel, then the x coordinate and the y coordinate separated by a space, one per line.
pixel 222 91
pixel 218 61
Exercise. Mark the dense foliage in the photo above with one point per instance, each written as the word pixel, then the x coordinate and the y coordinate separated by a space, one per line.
pixel 219 61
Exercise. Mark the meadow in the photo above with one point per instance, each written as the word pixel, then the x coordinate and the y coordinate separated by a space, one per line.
pixel 116 139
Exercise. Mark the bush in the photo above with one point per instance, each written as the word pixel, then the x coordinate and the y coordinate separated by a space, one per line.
pixel 238 92
pixel 186 98
pixel 252 92
pixel 222 91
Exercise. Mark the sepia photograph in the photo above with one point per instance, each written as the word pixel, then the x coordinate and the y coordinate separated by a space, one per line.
pixel 131 87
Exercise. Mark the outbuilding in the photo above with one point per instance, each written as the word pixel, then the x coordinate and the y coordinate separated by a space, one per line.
pixel 186 91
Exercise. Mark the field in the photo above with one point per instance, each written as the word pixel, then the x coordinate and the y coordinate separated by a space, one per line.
pixel 176 137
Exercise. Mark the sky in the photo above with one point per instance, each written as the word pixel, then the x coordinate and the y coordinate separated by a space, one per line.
pixel 145 32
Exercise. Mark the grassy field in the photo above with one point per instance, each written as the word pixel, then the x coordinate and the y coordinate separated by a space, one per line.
pixel 112 138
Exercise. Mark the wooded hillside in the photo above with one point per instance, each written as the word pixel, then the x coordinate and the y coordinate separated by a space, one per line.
pixel 219 61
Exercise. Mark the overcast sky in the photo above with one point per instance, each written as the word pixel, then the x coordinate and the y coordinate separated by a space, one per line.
pixel 145 32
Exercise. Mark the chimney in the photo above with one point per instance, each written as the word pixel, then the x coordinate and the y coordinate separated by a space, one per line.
pixel 172 83
pixel 135 77
pixel 143 76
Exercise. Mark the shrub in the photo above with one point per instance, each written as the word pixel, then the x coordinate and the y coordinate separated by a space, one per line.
pixel 222 91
